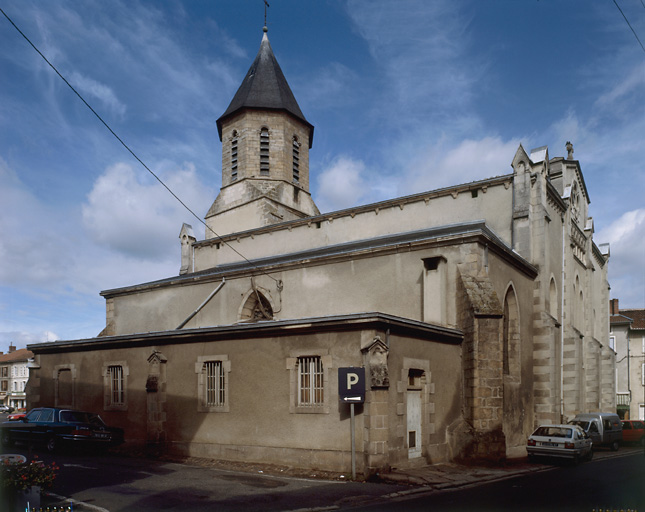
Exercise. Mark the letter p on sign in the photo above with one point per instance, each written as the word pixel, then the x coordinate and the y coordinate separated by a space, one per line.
pixel 352 379
pixel 351 384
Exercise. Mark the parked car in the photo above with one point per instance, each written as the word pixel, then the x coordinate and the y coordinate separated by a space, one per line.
pixel 634 431
pixel 54 427
pixel 562 441
pixel 5 408
pixel 604 428
pixel 16 416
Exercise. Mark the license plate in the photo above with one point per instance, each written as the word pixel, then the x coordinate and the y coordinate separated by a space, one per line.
pixel 549 444
pixel 102 436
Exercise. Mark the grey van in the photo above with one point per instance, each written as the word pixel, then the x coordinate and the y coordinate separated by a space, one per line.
pixel 604 428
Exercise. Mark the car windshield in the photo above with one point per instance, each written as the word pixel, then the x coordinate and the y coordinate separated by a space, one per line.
pixel 553 432
pixel 80 417
pixel 583 424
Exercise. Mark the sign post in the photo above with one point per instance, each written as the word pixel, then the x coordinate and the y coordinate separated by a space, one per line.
pixel 351 389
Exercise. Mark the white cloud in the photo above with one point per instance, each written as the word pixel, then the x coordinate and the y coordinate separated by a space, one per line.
pixel 422 49
pixel 341 185
pixel 128 213
pixel 626 237
pixel 443 164
pixel 97 90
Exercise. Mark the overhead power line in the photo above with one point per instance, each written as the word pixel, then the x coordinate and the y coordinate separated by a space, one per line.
pixel 128 148
pixel 630 25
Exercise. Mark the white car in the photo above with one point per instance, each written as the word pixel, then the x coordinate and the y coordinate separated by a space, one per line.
pixel 562 441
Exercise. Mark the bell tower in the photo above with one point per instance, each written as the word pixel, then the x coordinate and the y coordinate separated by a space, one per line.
pixel 265 153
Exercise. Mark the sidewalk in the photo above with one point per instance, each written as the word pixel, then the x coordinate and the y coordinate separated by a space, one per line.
pixel 449 475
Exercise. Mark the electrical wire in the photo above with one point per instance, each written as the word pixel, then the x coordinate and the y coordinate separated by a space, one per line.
pixel 630 25
pixel 130 150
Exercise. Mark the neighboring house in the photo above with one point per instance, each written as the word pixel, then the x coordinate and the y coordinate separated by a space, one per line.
pixel 14 375
pixel 478 311
pixel 627 336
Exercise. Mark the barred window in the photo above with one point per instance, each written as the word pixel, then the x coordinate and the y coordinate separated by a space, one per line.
pixel 117 391
pixel 212 383
pixel 310 381
pixel 234 156
pixel 264 152
pixel 215 384
pixel 115 385
pixel 296 160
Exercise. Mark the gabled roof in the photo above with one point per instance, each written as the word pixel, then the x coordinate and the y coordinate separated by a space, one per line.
pixel 265 87
pixel 637 315
pixel 22 354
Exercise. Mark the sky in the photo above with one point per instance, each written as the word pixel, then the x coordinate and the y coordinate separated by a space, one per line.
pixel 405 96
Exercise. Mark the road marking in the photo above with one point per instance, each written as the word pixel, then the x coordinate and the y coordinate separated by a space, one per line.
pixel 80 504
pixel 77 466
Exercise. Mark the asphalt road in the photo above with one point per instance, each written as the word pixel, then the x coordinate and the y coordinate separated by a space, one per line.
pixel 607 483
pixel 114 483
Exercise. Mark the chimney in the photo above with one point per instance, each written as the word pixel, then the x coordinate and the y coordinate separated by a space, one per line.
pixel 12 348
pixel 613 307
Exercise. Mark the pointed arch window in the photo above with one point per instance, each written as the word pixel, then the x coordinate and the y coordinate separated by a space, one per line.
pixel 296 160
pixel 511 335
pixel 234 156
pixel 256 308
pixel 264 152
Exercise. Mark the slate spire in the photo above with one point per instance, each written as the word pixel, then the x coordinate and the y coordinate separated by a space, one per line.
pixel 265 88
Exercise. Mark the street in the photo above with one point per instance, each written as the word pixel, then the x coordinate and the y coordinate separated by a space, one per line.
pixel 111 482
pixel 609 482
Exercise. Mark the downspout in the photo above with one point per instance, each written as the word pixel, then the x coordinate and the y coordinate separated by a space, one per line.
pixel 629 387
pixel 513 214
pixel 562 324
pixel 213 293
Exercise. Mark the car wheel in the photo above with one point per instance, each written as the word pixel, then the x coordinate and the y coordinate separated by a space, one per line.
pixel 614 446
pixel 642 441
pixel 589 455
pixel 52 444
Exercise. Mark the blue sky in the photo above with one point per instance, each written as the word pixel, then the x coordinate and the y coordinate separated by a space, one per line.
pixel 405 96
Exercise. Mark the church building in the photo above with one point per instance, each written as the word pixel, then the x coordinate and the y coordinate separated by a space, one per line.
pixel 477 312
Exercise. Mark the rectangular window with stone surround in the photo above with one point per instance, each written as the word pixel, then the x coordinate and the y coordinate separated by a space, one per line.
pixel 212 383
pixel 309 375
pixel 115 389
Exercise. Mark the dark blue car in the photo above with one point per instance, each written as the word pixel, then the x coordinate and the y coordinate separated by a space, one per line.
pixel 53 427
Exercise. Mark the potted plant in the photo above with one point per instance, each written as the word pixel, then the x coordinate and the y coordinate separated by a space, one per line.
pixel 23 481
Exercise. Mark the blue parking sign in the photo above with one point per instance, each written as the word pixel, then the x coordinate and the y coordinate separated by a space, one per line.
pixel 351 385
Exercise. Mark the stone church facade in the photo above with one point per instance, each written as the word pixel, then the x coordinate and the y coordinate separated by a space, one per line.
pixel 478 311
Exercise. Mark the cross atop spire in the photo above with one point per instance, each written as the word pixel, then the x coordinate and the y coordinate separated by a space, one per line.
pixel 266 4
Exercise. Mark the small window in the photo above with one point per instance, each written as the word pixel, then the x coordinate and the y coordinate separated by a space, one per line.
pixel 296 160
pixel 115 385
pixel 215 384
pixel 310 381
pixel 264 152
pixel 117 391
pixel 212 383
pixel 309 378
pixel 234 156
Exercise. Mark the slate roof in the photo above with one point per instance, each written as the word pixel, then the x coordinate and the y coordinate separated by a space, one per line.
pixel 265 87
